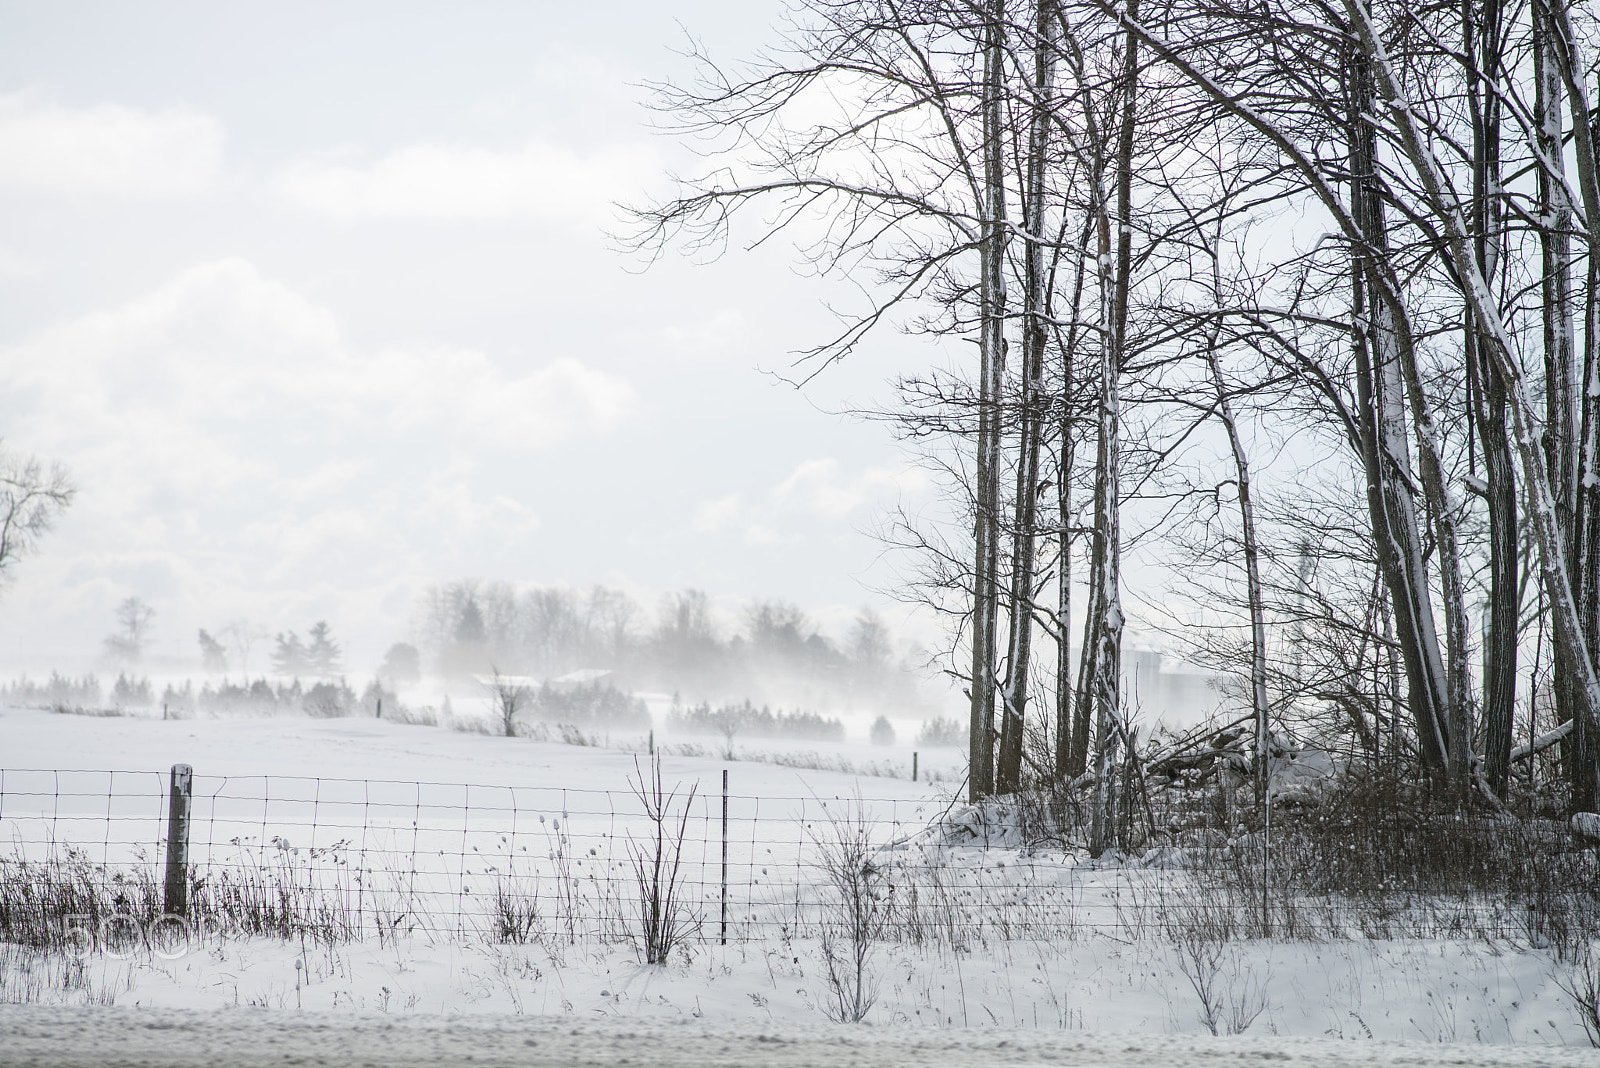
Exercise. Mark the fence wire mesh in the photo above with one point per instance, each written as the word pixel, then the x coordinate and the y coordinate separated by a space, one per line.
pixel 361 857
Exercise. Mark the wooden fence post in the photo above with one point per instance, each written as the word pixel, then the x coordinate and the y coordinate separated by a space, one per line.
pixel 177 897
pixel 913 765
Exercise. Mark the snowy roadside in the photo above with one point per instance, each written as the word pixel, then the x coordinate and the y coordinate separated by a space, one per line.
pixel 67 1037
pixel 1026 940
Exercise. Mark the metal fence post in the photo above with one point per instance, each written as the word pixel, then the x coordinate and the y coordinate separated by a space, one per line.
pixel 724 856
pixel 913 765
pixel 182 797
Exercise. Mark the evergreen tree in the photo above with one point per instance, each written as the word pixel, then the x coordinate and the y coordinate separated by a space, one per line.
pixel 288 654
pixel 323 653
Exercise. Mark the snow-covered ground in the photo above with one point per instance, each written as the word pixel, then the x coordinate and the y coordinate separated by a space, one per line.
pixel 52 1037
pixel 1101 973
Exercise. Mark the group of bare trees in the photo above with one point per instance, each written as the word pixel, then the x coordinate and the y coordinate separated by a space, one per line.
pixel 1295 299
pixel 470 627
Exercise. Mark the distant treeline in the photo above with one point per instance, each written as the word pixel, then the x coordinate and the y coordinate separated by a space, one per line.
pixel 62 691
pixel 591 705
pixel 940 731
pixel 747 721
pixel 260 697
pixel 467 628
pixel 326 699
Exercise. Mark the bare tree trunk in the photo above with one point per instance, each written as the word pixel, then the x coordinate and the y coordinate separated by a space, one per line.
pixel 1105 650
pixel 992 287
pixel 1071 750
pixel 1088 652
pixel 1034 336
pixel 1252 569
pixel 1386 447
pixel 1459 703
pixel 1560 436
pixel 1588 529
pixel 1108 620
pixel 1483 52
pixel 1063 724
pixel 1500 644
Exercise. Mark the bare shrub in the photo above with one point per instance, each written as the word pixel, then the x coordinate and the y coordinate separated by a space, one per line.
pixel 665 920
pixel 515 913
pixel 327 700
pixel 67 902
pixel 861 909
pixel 571 735
pixel 1581 984
pixel 411 715
pixel 1231 997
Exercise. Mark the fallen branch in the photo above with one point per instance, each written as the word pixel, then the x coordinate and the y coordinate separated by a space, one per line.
pixel 1543 742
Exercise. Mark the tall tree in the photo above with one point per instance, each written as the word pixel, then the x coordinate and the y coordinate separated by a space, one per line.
pixel 1116 258
pixel 1035 338
pixel 1483 56
pixel 993 240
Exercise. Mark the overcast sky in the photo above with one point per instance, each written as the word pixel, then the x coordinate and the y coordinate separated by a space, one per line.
pixel 316 302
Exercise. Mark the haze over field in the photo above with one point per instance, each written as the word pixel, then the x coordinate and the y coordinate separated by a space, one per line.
pixel 318 307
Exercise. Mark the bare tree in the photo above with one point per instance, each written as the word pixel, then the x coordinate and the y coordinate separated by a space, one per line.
pixel 1036 300
pixel 134 621
pixel 508 697
pixel 241 636
pixel 1483 52
pixel 31 500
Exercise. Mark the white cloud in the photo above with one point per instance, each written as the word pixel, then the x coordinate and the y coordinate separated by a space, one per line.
pixel 107 148
pixel 453 387
pixel 223 419
pixel 759 534
pixel 13 265
pixel 222 345
pixel 714 515
pixel 707 336
pixel 540 182
pixel 817 487
pixel 814 497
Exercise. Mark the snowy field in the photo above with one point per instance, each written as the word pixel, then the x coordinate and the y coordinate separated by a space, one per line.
pixel 1033 941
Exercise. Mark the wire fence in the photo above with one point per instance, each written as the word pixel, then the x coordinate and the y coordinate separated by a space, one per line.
pixel 470 859
pixel 516 863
